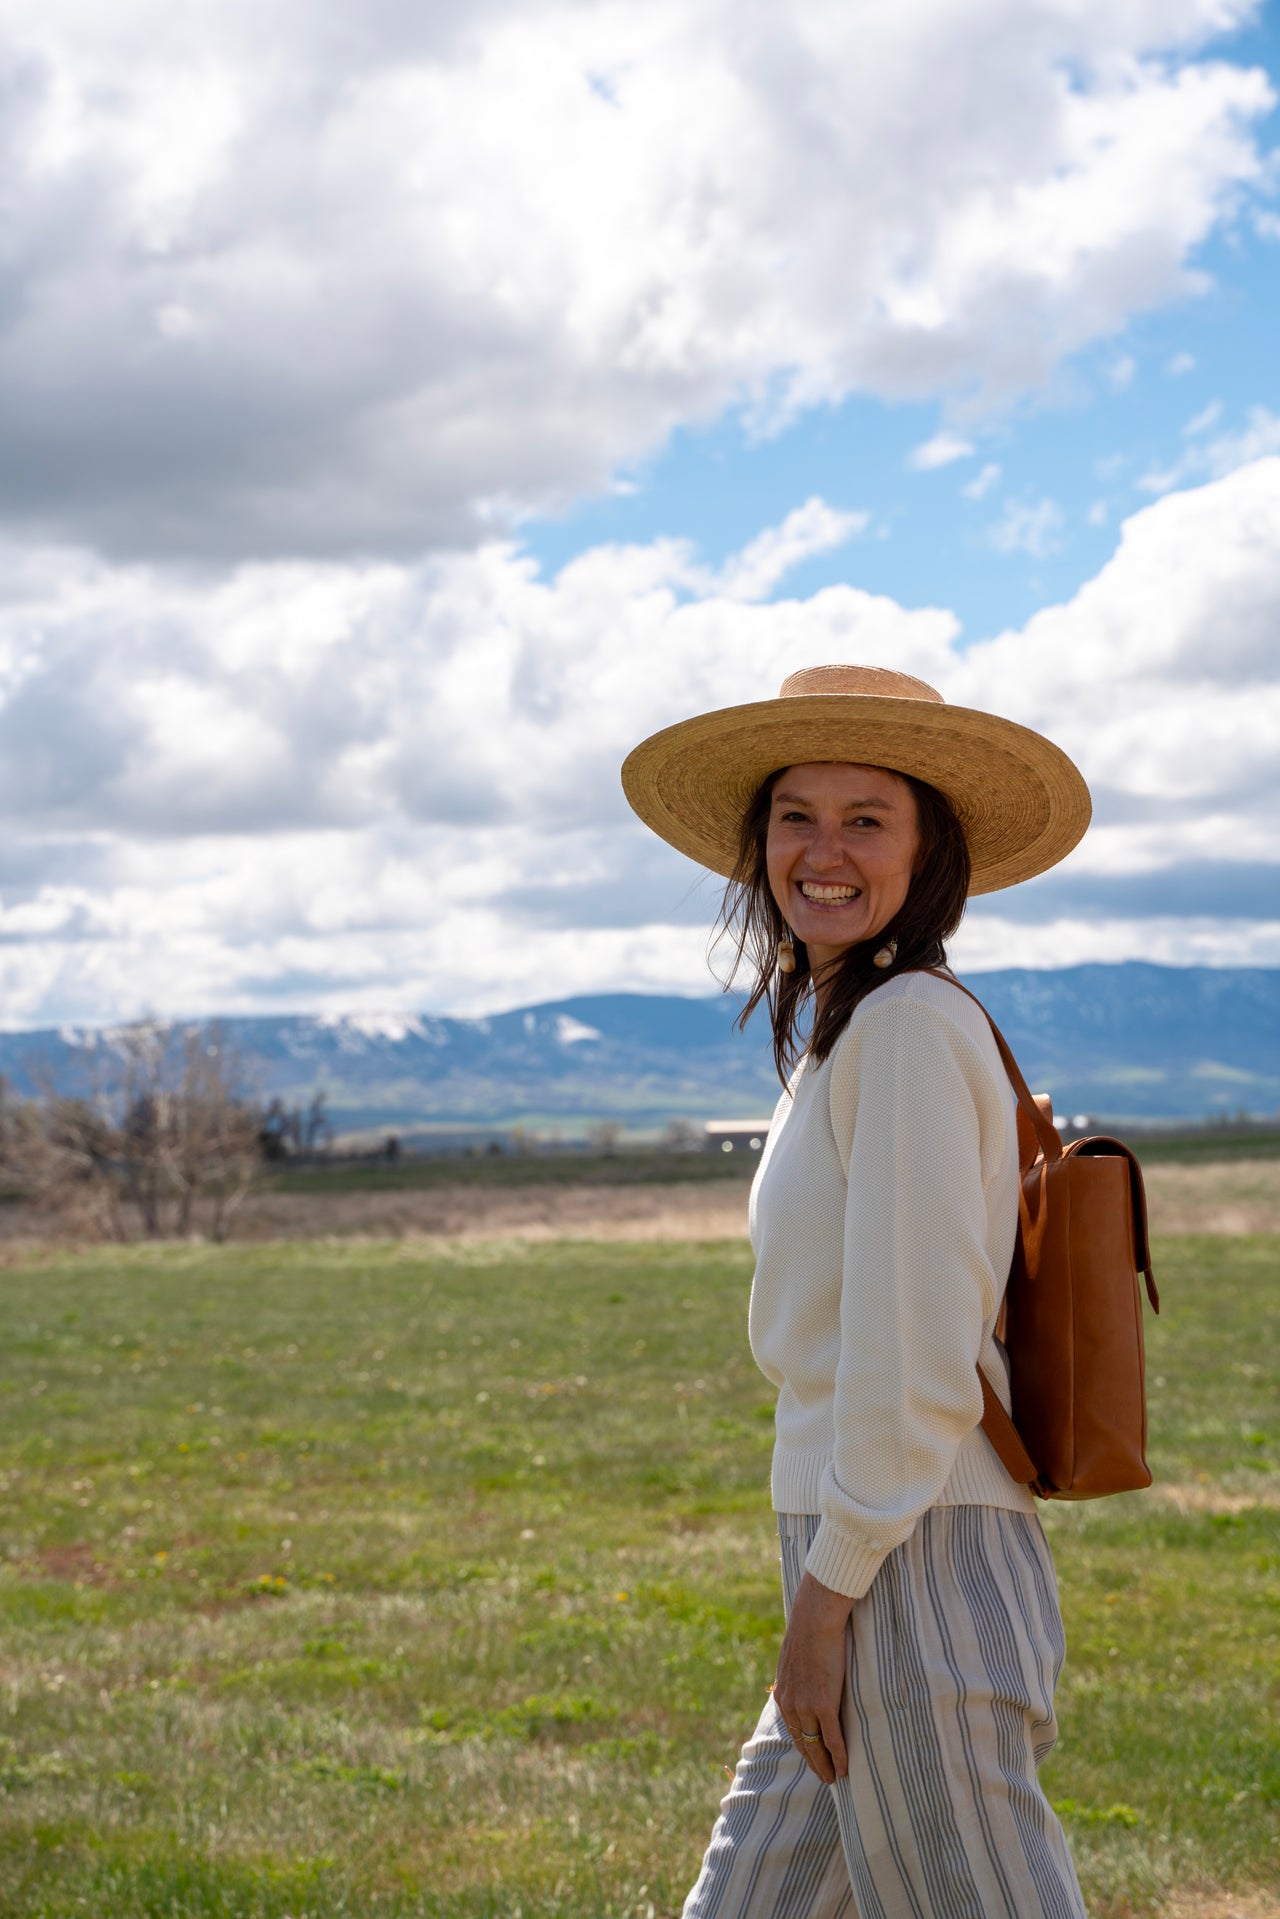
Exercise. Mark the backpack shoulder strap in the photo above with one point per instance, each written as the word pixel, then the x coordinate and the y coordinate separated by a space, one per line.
pixel 1051 1144
pixel 1043 1127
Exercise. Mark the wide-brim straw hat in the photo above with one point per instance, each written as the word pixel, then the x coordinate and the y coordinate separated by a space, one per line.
pixel 1022 803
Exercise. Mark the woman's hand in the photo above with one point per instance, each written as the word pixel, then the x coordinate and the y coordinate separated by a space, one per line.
pixel 810 1681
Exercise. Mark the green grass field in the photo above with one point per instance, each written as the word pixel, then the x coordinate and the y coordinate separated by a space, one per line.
pixel 369 1580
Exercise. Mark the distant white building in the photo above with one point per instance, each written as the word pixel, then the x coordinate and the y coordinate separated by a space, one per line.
pixel 735 1135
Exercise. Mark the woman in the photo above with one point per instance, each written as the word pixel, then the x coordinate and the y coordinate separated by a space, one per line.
pixel 894 1770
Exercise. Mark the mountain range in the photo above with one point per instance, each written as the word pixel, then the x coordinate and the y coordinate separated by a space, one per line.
pixel 1125 1042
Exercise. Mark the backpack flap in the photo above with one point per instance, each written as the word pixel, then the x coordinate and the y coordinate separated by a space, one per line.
pixel 1099 1146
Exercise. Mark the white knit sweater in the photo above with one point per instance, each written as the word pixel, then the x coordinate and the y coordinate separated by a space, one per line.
pixel 883 1217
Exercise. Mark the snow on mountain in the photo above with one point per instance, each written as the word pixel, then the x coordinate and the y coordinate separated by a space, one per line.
pixel 571 1032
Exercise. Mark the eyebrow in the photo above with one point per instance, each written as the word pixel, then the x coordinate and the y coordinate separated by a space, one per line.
pixel 850 806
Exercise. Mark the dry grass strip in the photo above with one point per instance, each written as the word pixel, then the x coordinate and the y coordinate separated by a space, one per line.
pixel 698 1211
pixel 1209 1498
pixel 1240 1196
pixel 1222 1905
pixel 1231 1196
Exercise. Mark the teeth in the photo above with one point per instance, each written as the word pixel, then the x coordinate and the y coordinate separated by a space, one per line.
pixel 812 891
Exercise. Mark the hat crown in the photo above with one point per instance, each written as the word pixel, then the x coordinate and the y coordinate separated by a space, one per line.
pixel 856 681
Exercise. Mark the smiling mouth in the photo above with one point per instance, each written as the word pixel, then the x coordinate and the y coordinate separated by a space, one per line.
pixel 829 895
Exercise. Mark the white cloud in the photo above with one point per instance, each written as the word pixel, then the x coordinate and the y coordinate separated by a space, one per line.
pixel 324 280
pixel 1201 422
pixel 982 483
pixel 396 786
pixel 1162 678
pixel 463 689
pixel 1180 364
pixel 1025 527
pixel 1120 372
pixel 337 785
pixel 985 941
pixel 942 450
pixel 1099 513
pixel 812 529
pixel 1258 438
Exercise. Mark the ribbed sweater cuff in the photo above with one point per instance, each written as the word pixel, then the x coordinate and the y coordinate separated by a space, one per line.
pixel 977 1478
pixel 842 1563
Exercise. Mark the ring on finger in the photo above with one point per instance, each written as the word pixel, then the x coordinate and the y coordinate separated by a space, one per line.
pixel 811 1737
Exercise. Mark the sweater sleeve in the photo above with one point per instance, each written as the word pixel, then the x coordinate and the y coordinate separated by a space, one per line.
pixel 908 1094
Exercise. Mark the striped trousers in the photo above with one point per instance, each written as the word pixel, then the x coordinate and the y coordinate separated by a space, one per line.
pixel 953 1656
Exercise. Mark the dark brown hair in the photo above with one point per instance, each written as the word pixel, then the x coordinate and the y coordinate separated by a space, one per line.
pixel 927 917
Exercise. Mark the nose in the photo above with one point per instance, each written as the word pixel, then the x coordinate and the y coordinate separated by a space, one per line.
pixel 825 850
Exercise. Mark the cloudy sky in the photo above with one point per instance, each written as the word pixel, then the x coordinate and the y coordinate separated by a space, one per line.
pixel 407 407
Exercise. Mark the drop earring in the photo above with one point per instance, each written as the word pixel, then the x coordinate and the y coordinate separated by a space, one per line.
pixel 786 951
pixel 886 956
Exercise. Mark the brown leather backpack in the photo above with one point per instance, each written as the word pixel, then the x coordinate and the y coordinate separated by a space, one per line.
pixel 1072 1316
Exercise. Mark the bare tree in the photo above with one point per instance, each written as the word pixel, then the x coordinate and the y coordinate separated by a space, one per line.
pixel 61 1155
pixel 167 1135
pixel 206 1138
pixel 285 1130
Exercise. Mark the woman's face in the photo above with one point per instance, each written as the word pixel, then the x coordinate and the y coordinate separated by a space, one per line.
pixel 841 845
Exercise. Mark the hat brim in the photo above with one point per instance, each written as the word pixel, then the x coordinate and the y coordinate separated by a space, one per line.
pixel 1022 803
